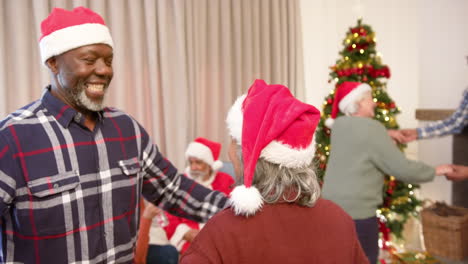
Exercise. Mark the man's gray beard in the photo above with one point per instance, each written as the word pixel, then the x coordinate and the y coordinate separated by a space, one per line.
pixel 198 175
pixel 81 99
pixel 84 101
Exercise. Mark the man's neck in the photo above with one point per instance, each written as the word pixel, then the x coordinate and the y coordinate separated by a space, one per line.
pixel 89 116
pixel 90 121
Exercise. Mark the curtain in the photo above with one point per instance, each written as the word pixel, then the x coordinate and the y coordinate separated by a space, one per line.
pixel 178 64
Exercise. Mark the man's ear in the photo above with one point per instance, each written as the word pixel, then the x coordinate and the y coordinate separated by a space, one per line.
pixel 51 63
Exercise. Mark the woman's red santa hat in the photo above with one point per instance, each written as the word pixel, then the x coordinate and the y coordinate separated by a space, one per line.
pixel 347 93
pixel 65 30
pixel 206 150
pixel 269 123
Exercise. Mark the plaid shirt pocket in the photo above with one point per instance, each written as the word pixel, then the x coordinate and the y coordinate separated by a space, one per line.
pixel 130 166
pixel 46 186
pixel 50 207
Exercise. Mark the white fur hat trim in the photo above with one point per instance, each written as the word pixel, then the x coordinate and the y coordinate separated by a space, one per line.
pixel 235 119
pixel 353 95
pixel 284 155
pixel 200 151
pixel 73 37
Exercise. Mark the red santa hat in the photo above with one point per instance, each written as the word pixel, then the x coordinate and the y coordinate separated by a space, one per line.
pixel 65 30
pixel 269 123
pixel 346 94
pixel 206 150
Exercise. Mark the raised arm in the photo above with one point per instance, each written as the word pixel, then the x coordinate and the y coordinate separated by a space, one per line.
pixel 389 159
pixel 175 193
pixel 451 125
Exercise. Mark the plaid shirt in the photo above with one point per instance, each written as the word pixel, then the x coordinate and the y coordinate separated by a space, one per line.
pixel 452 125
pixel 71 195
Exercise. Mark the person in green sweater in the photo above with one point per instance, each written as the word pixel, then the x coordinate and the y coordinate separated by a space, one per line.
pixel 362 153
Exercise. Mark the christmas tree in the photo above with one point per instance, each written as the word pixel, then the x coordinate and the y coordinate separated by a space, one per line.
pixel 359 62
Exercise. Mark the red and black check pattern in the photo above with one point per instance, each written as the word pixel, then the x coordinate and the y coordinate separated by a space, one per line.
pixel 71 195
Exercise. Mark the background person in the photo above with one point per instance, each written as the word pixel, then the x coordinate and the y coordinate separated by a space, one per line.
pixel 361 154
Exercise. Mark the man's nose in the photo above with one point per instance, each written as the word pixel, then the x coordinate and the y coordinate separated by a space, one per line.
pixel 103 68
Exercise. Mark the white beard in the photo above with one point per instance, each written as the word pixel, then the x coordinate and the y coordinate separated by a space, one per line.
pixel 198 175
pixel 88 104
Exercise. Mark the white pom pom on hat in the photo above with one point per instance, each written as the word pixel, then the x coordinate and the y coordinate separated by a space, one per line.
pixel 329 122
pixel 245 201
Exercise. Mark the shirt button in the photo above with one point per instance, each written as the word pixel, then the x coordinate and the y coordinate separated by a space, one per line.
pixel 56 185
pixel 77 117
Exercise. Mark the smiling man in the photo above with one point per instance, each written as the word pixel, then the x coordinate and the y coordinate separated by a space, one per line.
pixel 72 171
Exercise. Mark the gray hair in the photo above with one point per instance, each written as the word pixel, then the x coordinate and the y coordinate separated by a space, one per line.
pixel 277 183
pixel 353 107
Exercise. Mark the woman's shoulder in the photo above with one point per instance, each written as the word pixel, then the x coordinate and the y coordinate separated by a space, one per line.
pixel 368 123
pixel 226 215
pixel 353 123
pixel 330 208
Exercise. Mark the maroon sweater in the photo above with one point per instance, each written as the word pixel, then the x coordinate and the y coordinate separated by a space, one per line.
pixel 279 233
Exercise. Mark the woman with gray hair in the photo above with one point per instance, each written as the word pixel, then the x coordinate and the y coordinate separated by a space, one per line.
pixel 362 152
pixel 276 214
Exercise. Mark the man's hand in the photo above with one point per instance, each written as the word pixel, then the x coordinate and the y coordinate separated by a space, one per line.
pixel 458 173
pixel 396 135
pixel 151 211
pixel 191 234
pixel 403 136
pixel 409 134
pixel 444 169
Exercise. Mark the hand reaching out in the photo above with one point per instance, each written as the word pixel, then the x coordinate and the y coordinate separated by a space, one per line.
pixel 458 173
pixel 409 134
pixel 444 169
pixel 403 135
pixel 396 135
pixel 151 211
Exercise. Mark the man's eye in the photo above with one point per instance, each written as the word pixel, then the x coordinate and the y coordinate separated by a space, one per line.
pixel 89 60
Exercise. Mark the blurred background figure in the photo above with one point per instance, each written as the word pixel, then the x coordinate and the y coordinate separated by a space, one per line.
pixel 361 155
pixel 202 156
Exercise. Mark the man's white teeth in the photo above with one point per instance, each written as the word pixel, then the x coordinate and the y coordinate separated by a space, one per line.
pixel 96 87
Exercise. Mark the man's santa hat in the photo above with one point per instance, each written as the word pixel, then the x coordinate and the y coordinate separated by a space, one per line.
pixel 65 30
pixel 269 123
pixel 346 94
pixel 206 150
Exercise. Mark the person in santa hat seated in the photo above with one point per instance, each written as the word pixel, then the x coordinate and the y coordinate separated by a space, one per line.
pixel 202 156
pixel 276 213
pixel 361 154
